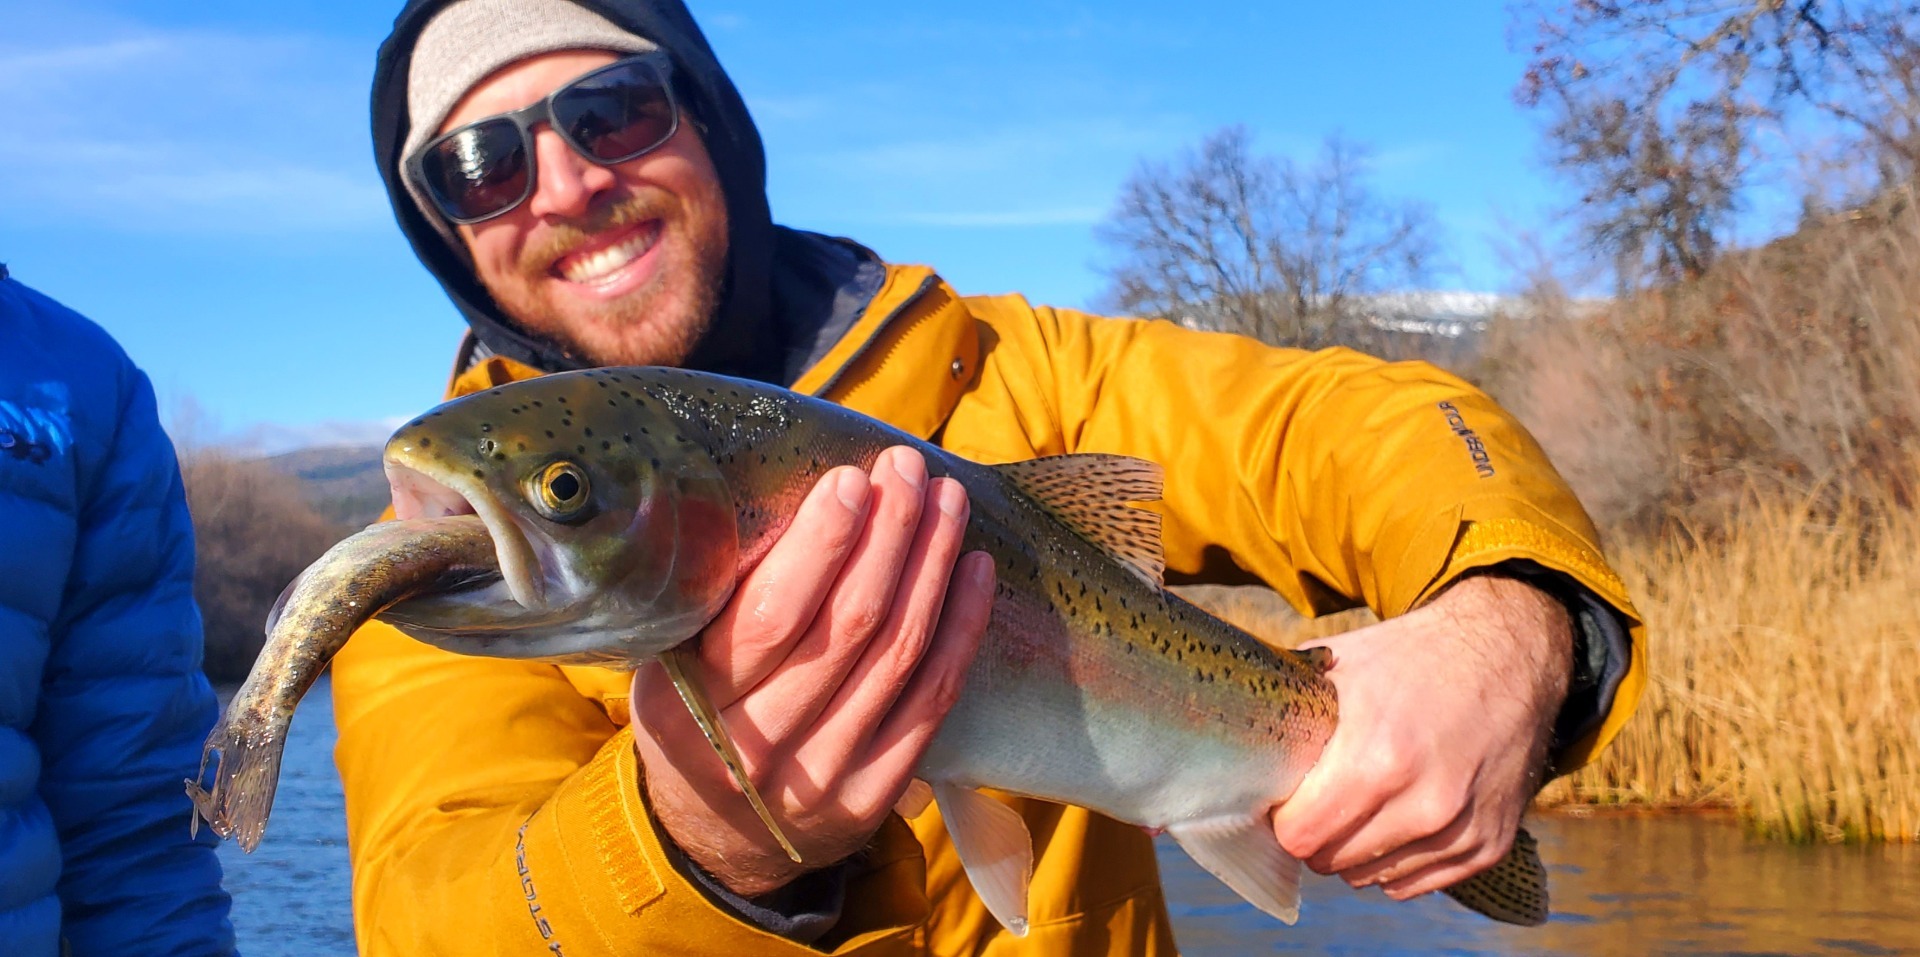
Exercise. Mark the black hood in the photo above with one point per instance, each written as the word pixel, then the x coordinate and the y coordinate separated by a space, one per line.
pixel 744 339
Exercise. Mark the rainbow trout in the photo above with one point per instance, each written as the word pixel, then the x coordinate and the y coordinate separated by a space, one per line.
pixel 605 516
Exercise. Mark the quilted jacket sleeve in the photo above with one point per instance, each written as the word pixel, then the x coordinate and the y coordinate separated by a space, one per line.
pixel 124 707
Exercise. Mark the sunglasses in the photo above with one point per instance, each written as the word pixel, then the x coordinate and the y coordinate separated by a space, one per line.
pixel 615 113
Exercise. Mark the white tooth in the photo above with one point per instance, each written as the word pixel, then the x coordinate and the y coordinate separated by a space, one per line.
pixel 598 264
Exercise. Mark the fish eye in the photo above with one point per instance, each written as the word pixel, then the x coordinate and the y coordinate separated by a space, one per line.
pixel 561 492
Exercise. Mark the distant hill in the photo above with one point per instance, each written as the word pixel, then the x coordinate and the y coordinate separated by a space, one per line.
pixel 345 483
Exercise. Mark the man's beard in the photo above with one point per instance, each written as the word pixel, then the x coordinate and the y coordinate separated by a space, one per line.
pixel 636 329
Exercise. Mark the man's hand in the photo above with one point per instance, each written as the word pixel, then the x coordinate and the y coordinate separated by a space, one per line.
pixel 832 667
pixel 1445 717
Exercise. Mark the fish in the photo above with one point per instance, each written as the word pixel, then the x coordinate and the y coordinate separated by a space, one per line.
pixel 604 516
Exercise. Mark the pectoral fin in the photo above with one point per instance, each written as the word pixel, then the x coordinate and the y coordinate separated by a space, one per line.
pixel 995 849
pixel 1245 855
pixel 1514 890
pixel 678 662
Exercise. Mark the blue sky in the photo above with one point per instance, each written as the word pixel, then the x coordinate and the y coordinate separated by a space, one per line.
pixel 197 176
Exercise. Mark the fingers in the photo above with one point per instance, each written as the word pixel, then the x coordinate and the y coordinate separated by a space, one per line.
pixel 884 667
pixel 1446 873
pixel 778 600
pixel 897 571
pixel 896 748
pixel 1400 841
pixel 836 665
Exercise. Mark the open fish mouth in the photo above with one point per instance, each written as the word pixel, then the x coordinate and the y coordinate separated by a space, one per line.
pixel 422 495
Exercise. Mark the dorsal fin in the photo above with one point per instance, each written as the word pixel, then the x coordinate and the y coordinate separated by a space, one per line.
pixel 1090 493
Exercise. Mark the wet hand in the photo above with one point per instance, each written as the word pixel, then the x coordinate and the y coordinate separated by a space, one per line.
pixel 1446 713
pixel 832 667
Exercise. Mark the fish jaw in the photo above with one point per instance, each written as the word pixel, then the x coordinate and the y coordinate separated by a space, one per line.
pixel 416 493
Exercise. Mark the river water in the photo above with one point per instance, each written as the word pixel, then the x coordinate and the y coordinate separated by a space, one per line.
pixel 1623 886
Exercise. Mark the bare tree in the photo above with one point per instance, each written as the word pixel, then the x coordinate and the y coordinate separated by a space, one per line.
pixel 1230 240
pixel 1656 107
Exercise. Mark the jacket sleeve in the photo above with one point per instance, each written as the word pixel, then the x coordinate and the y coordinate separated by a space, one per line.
pixel 124 707
pixel 1336 478
pixel 492 808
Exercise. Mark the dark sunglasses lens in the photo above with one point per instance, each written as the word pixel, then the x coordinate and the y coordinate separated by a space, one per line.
pixel 478 171
pixel 616 115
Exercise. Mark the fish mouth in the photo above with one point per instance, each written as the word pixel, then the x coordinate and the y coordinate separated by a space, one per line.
pixel 420 494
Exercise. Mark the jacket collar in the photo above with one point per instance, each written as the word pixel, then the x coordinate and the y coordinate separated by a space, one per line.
pixel 906 360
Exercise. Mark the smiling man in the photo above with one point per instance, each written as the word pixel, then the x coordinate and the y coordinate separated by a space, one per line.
pixel 586 183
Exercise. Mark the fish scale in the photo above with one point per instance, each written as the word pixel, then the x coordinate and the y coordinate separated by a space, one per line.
pixel 624 505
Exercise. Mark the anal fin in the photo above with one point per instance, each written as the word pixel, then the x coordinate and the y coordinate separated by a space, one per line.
pixel 995 849
pixel 1245 855
pixel 678 663
pixel 1513 891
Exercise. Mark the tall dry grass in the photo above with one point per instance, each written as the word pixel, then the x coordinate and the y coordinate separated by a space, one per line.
pixel 1784 675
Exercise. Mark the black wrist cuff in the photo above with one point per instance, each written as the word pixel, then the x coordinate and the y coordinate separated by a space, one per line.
pixel 1602 652
pixel 802 911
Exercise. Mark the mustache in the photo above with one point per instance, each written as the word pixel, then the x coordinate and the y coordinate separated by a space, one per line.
pixel 563 237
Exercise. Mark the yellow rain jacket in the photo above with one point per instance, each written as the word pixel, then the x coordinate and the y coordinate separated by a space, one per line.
pixel 495 807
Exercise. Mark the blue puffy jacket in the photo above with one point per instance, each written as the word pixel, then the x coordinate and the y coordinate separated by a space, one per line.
pixel 103 708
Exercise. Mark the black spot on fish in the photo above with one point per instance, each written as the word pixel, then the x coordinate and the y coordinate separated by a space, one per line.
pixel 655 463
pixel 579 450
pixel 549 433
pixel 536 404
pixel 606 446
pixel 479 473
pixel 486 427
pixel 425 442
pixel 563 400
pixel 587 432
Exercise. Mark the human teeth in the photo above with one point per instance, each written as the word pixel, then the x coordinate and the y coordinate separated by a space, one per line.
pixel 597 265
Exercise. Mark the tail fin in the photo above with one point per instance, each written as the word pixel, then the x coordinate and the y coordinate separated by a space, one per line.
pixel 1514 890
pixel 246 769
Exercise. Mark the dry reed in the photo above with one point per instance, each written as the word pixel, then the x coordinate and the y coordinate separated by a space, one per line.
pixel 1784 676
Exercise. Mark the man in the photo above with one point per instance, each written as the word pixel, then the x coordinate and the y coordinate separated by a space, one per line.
pixel 585 182
pixel 102 704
